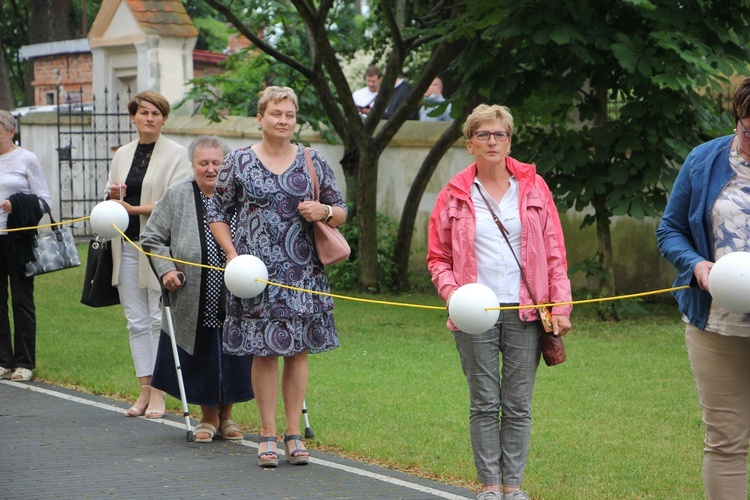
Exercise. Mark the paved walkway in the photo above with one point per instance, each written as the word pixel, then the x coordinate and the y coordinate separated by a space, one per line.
pixel 59 443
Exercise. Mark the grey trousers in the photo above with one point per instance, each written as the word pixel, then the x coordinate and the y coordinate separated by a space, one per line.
pixel 500 447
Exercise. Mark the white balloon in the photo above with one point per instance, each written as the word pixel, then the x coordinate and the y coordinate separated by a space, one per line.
pixel 241 276
pixel 467 308
pixel 729 282
pixel 104 215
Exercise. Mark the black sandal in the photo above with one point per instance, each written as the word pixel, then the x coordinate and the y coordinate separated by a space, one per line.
pixel 268 458
pixel 295 457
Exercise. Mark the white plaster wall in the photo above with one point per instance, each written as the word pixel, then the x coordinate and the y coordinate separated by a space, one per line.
pixel 170 64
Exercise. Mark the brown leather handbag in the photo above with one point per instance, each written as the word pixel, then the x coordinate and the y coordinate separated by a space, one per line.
pixel 553 349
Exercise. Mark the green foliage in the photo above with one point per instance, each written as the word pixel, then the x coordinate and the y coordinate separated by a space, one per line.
pixel 213 34
pixel 559 65
pixel 344 276
pixel 14 34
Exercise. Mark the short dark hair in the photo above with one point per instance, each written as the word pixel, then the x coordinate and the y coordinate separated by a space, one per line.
pixel 741 102
pixel 152 97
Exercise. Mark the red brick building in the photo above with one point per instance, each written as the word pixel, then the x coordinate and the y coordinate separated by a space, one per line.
pixel 68 67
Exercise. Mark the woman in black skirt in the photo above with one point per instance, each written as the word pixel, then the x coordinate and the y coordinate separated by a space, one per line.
pixel 178 229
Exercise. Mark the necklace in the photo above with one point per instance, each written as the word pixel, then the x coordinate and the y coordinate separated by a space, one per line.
pixel 738 149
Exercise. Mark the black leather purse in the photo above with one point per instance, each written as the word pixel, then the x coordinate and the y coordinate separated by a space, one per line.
pixel 97 283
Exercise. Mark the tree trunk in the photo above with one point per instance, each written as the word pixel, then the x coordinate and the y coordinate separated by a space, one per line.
pixel 367 198
pixel 402 251
pixel 6 94
pixel 49 21
pixel 607 310
pixel 349 164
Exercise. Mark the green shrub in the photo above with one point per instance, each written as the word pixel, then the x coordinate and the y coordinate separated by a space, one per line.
pixel 344 276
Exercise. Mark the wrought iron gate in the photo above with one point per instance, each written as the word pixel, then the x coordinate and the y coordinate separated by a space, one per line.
pixel 87 137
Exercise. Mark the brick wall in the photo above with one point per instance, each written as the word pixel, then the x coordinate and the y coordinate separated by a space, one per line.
pixel 71 73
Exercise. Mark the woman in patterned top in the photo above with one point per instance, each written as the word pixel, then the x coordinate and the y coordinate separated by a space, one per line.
pixel 707 217
pixel 140 173
pixel 178 229
pixel 267 187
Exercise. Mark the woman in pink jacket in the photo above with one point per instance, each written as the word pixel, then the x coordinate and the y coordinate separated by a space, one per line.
pixel 466 246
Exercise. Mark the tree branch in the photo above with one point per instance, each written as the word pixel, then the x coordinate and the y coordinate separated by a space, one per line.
pixel 247 33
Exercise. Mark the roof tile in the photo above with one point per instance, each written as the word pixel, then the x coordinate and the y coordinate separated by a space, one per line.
pixel 163 17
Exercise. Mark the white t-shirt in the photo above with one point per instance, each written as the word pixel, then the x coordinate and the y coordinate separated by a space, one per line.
pixel 363 98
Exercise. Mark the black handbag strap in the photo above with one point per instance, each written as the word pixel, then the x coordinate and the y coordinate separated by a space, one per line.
pixel 504 232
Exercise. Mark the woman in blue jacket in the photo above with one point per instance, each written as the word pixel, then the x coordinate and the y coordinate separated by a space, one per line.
pixel 707 217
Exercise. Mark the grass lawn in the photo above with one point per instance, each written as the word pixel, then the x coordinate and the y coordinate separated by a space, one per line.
pixel 620 419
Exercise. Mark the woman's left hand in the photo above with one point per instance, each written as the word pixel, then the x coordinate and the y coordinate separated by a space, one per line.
pixel 312 210
pixel 560 325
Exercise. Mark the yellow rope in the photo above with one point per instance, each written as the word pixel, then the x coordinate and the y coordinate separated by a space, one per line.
pixel 357 299
pixel 402 304
pixel 71 221
pixel 167 258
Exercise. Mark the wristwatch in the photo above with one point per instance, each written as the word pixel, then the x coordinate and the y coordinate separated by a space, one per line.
pixel 329 214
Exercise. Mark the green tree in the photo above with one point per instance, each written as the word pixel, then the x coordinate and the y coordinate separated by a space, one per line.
pixel 401 36
pixel 609 97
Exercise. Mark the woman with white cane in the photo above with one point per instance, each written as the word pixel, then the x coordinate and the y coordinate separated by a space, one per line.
pixel 178 229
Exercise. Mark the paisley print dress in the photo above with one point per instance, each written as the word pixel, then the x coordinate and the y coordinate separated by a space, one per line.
pixel 279 321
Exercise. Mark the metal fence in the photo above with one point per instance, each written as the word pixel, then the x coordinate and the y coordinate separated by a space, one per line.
pixel 87 137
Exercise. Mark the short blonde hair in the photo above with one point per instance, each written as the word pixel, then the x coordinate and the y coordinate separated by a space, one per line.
pixel 485 113
pixel 275 94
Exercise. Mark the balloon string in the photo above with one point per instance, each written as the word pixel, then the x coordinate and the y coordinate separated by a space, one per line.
pixel 402 304
pixel 71 221
pixel 164 257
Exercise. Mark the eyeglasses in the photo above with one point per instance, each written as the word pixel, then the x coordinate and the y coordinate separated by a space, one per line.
pixel 745 131
pixel 484 135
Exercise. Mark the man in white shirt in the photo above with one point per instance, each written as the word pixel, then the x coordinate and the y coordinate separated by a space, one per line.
pixel 432 98
pixel 365 97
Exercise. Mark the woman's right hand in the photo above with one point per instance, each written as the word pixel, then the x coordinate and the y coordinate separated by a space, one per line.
pixel 117 191
pixel 701 272
pixel 6 206
pixel 173 280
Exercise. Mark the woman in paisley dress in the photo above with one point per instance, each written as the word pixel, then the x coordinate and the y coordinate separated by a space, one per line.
pixel 268 187
pixel 707 217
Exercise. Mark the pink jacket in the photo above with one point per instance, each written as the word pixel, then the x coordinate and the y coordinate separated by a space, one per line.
pixel 450 248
